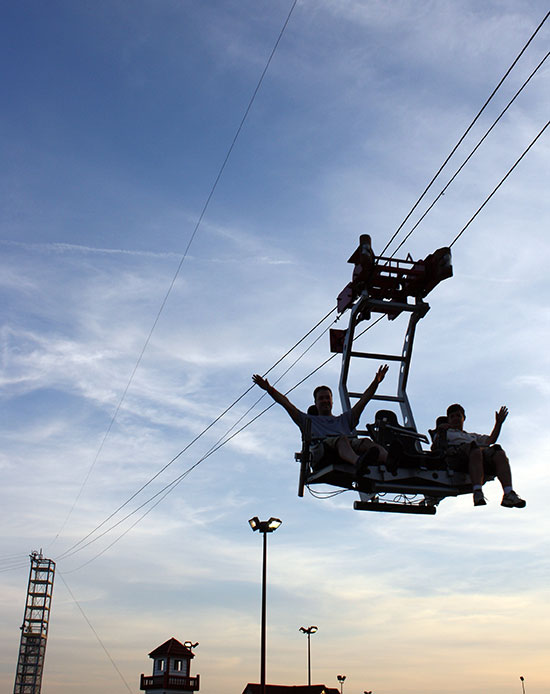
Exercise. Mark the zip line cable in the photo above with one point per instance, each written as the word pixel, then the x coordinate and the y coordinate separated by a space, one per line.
pixel 176 274
pixel 287 370
pixel 465 133
pixel 95 633
pixel 472 153
pixel 14 565
pixel 496 188
pixel 220 442
pixel 204 210
pixel 69 550
pixel 195 231
pixel 72 549
pixel 175 482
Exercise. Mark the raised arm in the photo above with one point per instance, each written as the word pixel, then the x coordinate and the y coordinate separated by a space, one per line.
pixel 500 416
pixel 279 398
pixel 357 409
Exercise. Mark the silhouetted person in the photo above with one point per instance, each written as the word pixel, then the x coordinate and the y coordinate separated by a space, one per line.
pixel 478 455
pixel 332 432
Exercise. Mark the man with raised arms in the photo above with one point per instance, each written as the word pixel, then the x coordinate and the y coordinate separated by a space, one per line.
pixel 332 432
pixel 480 455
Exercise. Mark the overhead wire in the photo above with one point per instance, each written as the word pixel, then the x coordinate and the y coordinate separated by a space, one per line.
pixel 222 441
pixel 461 140
pixel 180 265
pixel 13 566
pixel 197 437
pixel 175 482
pixel 66 553
pixel 206 206
pixel 219 443
pixel 541 63
pixel 497 187
pixel 95 633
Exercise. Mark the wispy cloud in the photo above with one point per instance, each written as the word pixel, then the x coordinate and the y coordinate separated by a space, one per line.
pixel 76 249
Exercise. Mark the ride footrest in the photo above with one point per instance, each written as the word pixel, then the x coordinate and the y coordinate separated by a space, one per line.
pixel 394 508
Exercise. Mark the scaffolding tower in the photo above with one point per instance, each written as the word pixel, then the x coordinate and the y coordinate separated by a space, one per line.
pixel 34 632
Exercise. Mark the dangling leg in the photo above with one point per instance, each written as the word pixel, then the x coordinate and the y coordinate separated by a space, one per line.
pixel 475 468
pixel 504 474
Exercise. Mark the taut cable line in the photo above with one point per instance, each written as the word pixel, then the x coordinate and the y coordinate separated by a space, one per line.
pixel 69 551
pixel 466 132
pixel 163 493
pixel 496 188
pixel 472 152
pixel 180 265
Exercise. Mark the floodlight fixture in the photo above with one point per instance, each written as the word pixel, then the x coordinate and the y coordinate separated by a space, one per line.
pixel 265 526
pixel 273 524
pixel 309 630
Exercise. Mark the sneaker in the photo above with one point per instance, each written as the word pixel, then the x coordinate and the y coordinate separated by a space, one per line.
pixel 479 499
pixel 512 500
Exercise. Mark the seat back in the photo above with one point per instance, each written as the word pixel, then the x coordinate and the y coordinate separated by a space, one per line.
pixel 439 435
pixel 387 432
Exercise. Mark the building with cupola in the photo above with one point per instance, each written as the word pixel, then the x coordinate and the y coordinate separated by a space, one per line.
pixel 171 669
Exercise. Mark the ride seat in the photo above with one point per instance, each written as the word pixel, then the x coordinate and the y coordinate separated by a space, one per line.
pixel 386 430
pixel 403 443
pixel 439 436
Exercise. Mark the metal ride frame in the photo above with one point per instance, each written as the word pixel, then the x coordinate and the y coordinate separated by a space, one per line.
pixel 384 285
pixel 365 305
pixel 389 287
pixel 34 632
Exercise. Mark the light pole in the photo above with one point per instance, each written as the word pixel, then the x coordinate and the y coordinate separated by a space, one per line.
pixel 522 683
pixel 309 631
pixel 264 527
pixel 341 679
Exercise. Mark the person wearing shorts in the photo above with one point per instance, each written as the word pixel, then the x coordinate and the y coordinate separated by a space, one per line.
pixel 329 431
pixel 480 456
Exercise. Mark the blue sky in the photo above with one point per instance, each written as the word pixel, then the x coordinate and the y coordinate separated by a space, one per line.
pixel 117 117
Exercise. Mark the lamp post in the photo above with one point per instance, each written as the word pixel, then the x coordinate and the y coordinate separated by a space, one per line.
pixel 309 631
pixel 522 683
pixel 341 679
pixel 264 527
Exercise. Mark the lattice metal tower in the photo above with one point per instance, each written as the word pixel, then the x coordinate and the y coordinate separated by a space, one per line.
pixel 34 632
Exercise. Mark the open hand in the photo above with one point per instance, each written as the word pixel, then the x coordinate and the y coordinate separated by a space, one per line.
pixel 259 381
pixel 501 415
pixel 382 371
